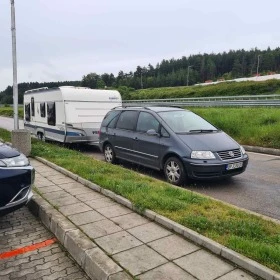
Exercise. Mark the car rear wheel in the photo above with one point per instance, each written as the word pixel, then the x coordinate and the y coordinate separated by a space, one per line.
pixel 109 154
pixel 174 171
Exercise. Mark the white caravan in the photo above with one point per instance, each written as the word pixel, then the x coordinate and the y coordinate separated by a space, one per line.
pixel 68 114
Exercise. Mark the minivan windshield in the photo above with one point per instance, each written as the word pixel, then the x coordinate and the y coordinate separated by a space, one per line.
pixel 182 122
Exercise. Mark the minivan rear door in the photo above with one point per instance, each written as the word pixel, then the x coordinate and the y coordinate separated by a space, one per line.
pixel 146 145
pixel 123 135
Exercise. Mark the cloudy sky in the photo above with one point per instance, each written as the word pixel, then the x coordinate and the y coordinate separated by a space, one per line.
pixel 66 39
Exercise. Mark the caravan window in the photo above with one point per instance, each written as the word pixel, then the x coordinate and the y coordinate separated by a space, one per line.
pixel 43 109
pixel 27 112
pixel 32 107
pixel 51 113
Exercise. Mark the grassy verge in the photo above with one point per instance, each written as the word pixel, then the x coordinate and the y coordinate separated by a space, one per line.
pixel 247 234
pixel 248 126
pixel 222 89
pixel 8 112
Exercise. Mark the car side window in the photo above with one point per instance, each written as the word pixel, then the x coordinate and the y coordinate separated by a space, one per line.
pixel 163 132
pixel 110 118
pixel 147 121
pixel 127 120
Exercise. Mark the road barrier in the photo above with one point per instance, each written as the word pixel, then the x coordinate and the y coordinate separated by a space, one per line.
pixel 272 100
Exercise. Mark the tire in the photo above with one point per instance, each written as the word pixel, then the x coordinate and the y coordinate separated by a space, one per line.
pixel 41 136
pixel 174 171
pixel 109 154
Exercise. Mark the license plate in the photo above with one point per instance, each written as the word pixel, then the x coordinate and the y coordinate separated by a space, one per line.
pixel 234 165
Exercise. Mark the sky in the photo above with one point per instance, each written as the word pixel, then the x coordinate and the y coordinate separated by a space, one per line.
pixel 60 40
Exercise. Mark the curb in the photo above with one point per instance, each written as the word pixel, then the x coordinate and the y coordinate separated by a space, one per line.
pixel 95 262
pixel 262 150
pixel 84 252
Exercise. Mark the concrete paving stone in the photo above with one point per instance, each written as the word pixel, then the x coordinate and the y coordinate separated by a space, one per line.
pixel 64 180
pixel 117 242
pixel 86 218
pixel 168 271
pixel 149 232
pixel 100 228
pixel 49 189
pixel 204 265
pixel 139 260
pixel 43 184
pixel 47 172
pixel 100 203
pixel 74 209
pixel 78 190
pixel 66 200
pixel 173 247
pixel 236 274
pixel 89 196
pixel 114 211
pixel 130 220
pixel 56 194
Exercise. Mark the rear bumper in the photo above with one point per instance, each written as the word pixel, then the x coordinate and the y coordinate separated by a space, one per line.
pixel 214 170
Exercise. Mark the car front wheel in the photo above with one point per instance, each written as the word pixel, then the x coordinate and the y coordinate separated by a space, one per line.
pixel 109 154
pixel 174 171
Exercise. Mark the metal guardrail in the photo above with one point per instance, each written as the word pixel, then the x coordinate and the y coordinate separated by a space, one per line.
pixel 272 100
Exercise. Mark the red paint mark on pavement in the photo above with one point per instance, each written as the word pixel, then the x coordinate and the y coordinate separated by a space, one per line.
pixel 27 249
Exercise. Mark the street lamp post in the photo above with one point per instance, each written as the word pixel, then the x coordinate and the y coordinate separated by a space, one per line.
pixel 15 85
pixel 188 74
pixel 258 65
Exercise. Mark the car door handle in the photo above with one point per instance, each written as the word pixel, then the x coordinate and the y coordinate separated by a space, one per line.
pixel 135 138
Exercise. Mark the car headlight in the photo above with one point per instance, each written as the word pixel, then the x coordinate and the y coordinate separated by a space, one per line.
pixel 242 150
pixel 20 160
pixel 202 155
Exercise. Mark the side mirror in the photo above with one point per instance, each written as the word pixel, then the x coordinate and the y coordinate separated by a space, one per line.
pixel 152 132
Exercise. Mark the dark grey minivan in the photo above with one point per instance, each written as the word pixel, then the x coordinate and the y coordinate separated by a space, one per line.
pixel 174 140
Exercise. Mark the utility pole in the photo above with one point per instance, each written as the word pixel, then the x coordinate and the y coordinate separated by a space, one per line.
pixel 15 84
pixel 141 80
pixel 258 65
pixel 188 74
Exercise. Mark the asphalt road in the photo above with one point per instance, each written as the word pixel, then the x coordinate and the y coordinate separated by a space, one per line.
pixel 257 189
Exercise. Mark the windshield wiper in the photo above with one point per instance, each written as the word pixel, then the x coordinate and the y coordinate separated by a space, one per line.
pixel 202 130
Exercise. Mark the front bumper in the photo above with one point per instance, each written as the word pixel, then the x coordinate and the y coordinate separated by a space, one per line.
pixel 15 188
pixel 213 170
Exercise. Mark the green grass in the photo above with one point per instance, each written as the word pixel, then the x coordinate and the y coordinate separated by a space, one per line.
pixel 222 89
pixel 247 234
pixel 248 126
pixel 8 112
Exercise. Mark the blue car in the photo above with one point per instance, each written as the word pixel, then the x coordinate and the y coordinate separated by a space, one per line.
pixel 16 179
pixel 174 140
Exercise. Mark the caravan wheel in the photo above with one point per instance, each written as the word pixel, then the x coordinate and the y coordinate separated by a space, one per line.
pixel 41 136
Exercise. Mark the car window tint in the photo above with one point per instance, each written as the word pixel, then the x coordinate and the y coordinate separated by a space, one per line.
pixel 164 132
pixel 127 120
pixel 147 121
pixel 112 115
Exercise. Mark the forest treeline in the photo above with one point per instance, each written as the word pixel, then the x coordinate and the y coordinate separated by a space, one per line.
pixel 174 72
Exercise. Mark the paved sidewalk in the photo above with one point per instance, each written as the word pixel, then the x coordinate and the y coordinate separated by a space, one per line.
pixel 21 229
pixel 141 247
